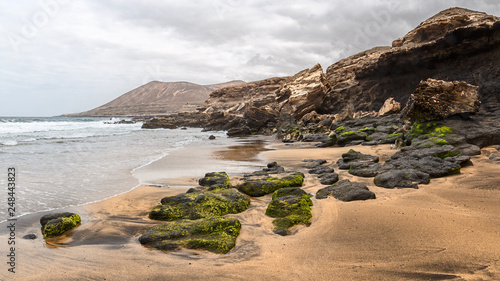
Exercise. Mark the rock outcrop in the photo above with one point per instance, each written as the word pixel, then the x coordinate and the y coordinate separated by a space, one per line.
pixel 455 45
pixel 256 106
pixel 437 99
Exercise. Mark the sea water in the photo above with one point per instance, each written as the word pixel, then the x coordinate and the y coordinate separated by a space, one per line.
pixel 63 161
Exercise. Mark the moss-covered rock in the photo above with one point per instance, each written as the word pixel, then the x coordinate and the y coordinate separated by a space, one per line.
pixel 200 204
pixel 433 131
pixel 215 180
pixel 214 234
pixel 268 185
pixel 366 130
pixel 290 206
pixel 391 138
pixel 54 225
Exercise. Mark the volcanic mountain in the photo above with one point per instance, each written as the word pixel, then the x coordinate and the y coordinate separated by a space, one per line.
pixel 157 98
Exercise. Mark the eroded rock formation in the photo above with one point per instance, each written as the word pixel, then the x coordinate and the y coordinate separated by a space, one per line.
pixel 437 99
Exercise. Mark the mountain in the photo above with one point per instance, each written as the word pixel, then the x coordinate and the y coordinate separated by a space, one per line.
pixel 157 98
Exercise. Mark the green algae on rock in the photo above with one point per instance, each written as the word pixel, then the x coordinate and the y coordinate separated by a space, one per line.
pixel 289 207
pixel 201 204
pixel 214 234
pixel 54 225
pixel 268 185
pixel 215 180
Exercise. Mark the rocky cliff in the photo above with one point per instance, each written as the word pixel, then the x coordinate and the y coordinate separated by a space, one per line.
pixel 157 98
pixel 455 45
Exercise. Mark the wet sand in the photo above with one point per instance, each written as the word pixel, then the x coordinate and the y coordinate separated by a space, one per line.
pixel 447 230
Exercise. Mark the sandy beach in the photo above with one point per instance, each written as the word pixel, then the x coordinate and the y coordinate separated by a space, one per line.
pixel 447 230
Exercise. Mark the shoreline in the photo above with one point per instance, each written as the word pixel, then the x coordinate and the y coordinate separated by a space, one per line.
pixel 444 230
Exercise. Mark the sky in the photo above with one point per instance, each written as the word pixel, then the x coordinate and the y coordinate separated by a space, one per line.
pixel 67 56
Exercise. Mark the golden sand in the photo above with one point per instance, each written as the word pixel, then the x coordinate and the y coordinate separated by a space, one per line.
pixel 449 229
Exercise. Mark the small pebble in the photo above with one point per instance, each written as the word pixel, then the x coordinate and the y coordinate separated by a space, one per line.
pixel 30 236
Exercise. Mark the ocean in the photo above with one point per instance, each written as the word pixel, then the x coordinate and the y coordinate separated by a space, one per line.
pixel 66 161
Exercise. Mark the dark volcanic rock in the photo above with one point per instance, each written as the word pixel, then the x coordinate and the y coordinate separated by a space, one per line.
pixel 329 178
pixel 239 132
pixel 353 157
pixel 321 170
pixel 432 165
pixel 215 234
pixel 314 163
pixel 360 164
pixel 437 99
pixel 345 190
pixel 30 236
pixel 399 178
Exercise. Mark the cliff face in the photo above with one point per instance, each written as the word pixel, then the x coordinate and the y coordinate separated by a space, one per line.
pixel 157 98
pixel 455 44
pixel 293 95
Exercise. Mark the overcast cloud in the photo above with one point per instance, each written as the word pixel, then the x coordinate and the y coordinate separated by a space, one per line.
pixel 65 56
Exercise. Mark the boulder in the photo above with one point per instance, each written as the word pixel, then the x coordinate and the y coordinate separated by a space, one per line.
pixel 215 180
pixel 345 190
pixel 321 170
pixel 261 187
pixel 350 136
pixel 290 206
pixel 400 178
pixel 214 234
pixel 239 131
pixel 200 204
pixel 438 99
pixel 329 178
pixel 57 224
pixel 390 106
pixel 353 158
pixel 313 163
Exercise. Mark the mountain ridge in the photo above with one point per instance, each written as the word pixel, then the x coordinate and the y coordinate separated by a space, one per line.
pixel 156 98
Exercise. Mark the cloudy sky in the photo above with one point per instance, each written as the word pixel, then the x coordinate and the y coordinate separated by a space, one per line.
pixel 65 56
